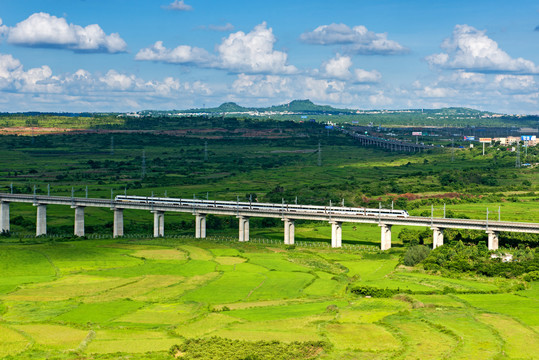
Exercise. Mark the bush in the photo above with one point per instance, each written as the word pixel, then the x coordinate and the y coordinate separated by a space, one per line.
pixel 457 257
pixel 532 276
pixel 220 348
pixel 365 290
pixel 415 254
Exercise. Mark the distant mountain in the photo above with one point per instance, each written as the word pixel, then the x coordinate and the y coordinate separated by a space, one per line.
pixel 230 107
pixel 297 106
pixel 456 111
pixel 307 107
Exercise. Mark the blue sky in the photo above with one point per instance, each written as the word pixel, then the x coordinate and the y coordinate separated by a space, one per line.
pixel 121 55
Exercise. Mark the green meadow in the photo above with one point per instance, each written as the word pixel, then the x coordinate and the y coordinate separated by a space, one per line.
pixel 140 298
pixel 261 169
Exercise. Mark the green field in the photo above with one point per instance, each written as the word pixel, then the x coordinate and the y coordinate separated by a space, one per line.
pixel 140 297
pixel 262 169
pixel 103 299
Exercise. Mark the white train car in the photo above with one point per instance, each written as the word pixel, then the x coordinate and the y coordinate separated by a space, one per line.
pixel 219 204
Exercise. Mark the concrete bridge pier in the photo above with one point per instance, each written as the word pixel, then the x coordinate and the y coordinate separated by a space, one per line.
pixel 158 223
pixel 492 240
pixel 289 232
pixel 243 228
pixel 385 230
pixel 41 227
pixel 336 234
pixel 79 220
pixel 4 216
pixel 118 222
pixel 437 237
pixel 200 226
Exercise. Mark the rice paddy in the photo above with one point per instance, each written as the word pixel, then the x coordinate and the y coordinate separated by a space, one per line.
pixel 105 299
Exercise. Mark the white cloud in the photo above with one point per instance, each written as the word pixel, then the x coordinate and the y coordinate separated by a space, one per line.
pixel 339 68
pixel 179 5
pixel 268 86
pixel 470 49
pixel 253 52
pixel 45 30
pixel 518 83
pixel 357 39
pixel 364 76
pixel 437 92
pixel 39 89
pixel 13 77
pixel 380 99
pixel 182 54
pixel 3 28
pixel 221 28
pixel 239 52
pixel 466 78
pixel 8 66
pixel 117 81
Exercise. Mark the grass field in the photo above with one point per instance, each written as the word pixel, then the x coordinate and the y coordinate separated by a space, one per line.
pixel 269 170
pixel 105 299
pixel 136 297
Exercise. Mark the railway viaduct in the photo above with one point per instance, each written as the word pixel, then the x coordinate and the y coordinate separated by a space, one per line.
pixel 245 210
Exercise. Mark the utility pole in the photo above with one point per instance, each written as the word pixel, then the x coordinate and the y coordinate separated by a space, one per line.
pixel 517 163
pixel 319 155
pixel 143 163
pixel 452 149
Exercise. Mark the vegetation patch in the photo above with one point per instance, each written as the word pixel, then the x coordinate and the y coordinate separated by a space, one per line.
pixel 459 258
pixel 11 342
pixel 161 254
pixel 56 336
pixel 520 341
pixel 229 260
pixel 362 337
pixel 219 348
pixel 117 341
pixel 99 312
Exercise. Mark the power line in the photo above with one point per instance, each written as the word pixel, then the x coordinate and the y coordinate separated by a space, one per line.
pixel 143 163
pixel 517 162
pixel 452 149
pixel 319 155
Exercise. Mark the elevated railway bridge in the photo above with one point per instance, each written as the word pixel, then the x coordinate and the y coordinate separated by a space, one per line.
pixel 334 215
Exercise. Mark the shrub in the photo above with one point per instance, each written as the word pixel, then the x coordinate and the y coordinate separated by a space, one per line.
pixel 415 254
pixel 532 276
pixel 365 290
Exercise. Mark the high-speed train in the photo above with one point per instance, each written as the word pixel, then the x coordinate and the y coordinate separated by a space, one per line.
pixel 236 205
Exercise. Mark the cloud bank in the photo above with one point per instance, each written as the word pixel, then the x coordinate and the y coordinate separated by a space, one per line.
pixel 179 5
pixel 45 30
pixel 472 50
pixel 356 40
pixel 340 68
pixel 240 52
